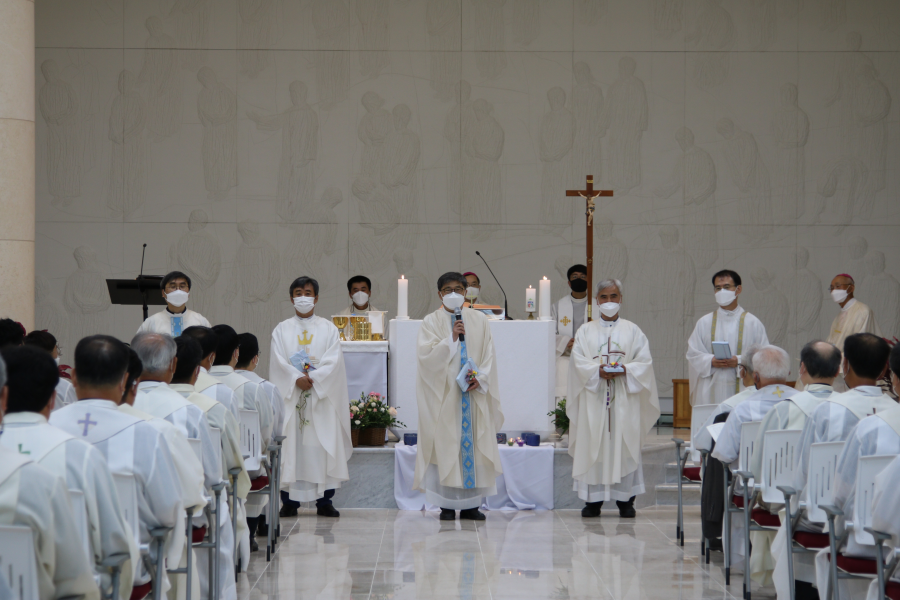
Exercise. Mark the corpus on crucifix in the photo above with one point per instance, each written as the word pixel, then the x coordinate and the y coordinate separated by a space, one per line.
pixel 590 195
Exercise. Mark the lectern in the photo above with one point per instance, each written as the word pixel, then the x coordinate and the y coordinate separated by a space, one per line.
pixel 136 292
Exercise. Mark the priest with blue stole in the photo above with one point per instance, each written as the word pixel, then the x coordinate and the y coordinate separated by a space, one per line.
pixel 307 366
pixel 457 460
pixel 176 317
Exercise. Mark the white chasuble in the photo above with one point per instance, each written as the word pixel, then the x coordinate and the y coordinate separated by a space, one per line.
pixel 316 422
pixel 610 419
pixel 171 323
pixel 709 385
pixel 439 465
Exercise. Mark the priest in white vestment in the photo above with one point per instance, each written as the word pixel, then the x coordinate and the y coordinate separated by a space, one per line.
pixel 65 391
pixel 570 313
pixel 307 366
pixel 713 380
pixel 457 459
pixel 855 317
pixel 703 440
pixel 189 355
pixel 32 375
pixel 613 403
pixel 131 446
pixel 206 384
pixel 359 287
pixel 176 317
pixel 886 508
pixel 247 364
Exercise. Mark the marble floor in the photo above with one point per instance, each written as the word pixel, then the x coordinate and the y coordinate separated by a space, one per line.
pixel 381 554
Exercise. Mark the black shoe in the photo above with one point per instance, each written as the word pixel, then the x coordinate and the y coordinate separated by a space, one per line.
pixel 473 514
pixel 715 545
pixel 327 511
pixel 448 515
pixel 262 529
pixel 627 511
pixel 591 510
pixel 254 547
pixel 288 511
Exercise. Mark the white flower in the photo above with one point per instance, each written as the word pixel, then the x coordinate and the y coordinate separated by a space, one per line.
pixel 382 410
pixel 393 411
pixel 354 409
pixel 357 422
pixel 371 404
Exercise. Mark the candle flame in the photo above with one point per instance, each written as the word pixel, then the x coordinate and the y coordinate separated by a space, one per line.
pixel 402 277
pixel 529 287
pixel 545 278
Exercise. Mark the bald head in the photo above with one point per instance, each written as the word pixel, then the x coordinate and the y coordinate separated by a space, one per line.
pixel 819 362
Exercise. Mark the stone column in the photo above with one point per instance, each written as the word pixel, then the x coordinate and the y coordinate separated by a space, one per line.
pixel 17 161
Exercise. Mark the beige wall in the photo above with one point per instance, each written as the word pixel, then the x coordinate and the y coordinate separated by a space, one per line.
pixel 757 193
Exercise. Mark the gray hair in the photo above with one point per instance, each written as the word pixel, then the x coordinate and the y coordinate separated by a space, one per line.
pixel 156 351
pixel 2 372
pixel 771 362
pixel 608 283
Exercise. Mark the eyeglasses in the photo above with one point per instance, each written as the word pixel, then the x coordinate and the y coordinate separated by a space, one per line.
pixel 456 290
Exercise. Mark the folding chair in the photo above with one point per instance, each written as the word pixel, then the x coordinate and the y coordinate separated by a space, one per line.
pixel 823 459
pixel 18 562
pixel 699 414
pixel 279 439
pixel 152 554
pixel 735 503
pixel 854 567
pixel 192 535
pixel 210 541
pixel 886 589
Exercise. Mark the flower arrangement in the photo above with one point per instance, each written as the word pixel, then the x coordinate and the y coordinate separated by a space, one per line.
pixel 372 411
pixel 471 376
pixel 560 419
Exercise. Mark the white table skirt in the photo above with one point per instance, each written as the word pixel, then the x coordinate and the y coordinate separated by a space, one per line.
pixel 526 482
pixel 366 364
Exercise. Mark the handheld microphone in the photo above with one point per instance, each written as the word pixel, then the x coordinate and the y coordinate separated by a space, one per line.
pixel 505 303
pixel 462 336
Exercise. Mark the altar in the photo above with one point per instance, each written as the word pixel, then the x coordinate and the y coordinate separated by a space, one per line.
pixel 525 359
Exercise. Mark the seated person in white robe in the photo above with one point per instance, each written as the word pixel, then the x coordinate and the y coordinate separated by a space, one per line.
pixel 886 507
pixel 819 364
pixel 131 446
pixel 30 386
pixel 457 461
pixel 206 384
pixel 65 391
pixel 703 440
pixel 317 426
pixel 610 411
pixel 247 365
pixel 359 288
pixel 713 380
pixel 569 313
pixel 176 316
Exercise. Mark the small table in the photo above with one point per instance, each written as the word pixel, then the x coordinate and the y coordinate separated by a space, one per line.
pixel 367 369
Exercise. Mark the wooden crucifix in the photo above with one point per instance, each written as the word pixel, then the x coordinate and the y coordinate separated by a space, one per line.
pixel 589 194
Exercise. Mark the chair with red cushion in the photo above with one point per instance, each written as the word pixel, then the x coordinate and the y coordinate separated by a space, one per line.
pixel 693 474
pixel 737 502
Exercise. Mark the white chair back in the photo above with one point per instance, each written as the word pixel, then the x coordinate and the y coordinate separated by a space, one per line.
pixel 128 502
pixel 215 434
pixel 79 508
pixel 823 459
pixel 866 470
pixel 699 415
pixel 749 429
pixel 250 439
pixel 778 460
pixel 18 562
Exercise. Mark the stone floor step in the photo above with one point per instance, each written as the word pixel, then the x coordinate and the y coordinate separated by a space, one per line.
pixel 667 494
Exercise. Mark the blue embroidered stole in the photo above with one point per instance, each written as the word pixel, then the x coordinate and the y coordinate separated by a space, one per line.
pixel 467 443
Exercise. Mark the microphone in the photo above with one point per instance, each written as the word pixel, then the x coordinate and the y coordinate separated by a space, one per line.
pixel 505 303
pixel 143 252
pixel 141 283
pixel 462 336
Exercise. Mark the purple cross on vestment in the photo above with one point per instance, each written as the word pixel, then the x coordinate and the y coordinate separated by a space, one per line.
pixel 87 423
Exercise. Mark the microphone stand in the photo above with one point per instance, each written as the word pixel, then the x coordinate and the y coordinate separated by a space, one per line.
pixel 141 283
pixel 505 302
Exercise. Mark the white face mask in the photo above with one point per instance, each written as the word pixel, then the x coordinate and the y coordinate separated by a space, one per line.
pixel 609 309
pixel 360 298
pixel 725 297
pixel 304 304
pixel 839 295
pixel 453 301
pixel 472 293
pixel 178 298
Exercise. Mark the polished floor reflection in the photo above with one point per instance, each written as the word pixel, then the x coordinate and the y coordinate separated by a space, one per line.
pixel 380 554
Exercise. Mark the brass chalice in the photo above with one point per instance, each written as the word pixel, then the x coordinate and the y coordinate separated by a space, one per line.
pixel 340 321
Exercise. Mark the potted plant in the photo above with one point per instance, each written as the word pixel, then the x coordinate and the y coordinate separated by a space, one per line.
pixel 356 421
pixel 560 419
pixel 372 416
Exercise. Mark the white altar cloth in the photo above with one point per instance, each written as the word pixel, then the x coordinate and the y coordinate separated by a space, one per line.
pixel 525 359
pixel 367 369
pixel 526 482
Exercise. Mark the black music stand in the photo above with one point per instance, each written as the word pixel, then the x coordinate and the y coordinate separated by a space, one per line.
pixel 136 292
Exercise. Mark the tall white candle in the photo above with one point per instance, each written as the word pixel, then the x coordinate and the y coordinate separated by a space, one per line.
pixel 402 298
pixel 545 300
pixel 530 299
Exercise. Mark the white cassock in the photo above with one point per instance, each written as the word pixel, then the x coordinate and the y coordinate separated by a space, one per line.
pixel 351 311
pixel 787 414
pixel 221 418
pixel 83 468
pixel 271 392
pixel 209 386
pixel 65 394
pixel 451 453
pixel 709 385
pixel 886 510
pixel 31 496
pixel 134 447
pixel 873 436
pixel 569 314
pixel 703 440
pixel 610 419
pixel 171 323
pixel 315 453
pixel 249 395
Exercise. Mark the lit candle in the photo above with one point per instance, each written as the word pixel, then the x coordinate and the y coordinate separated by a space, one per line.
pixel 402 298
pixel 530 299
pixel 545 300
